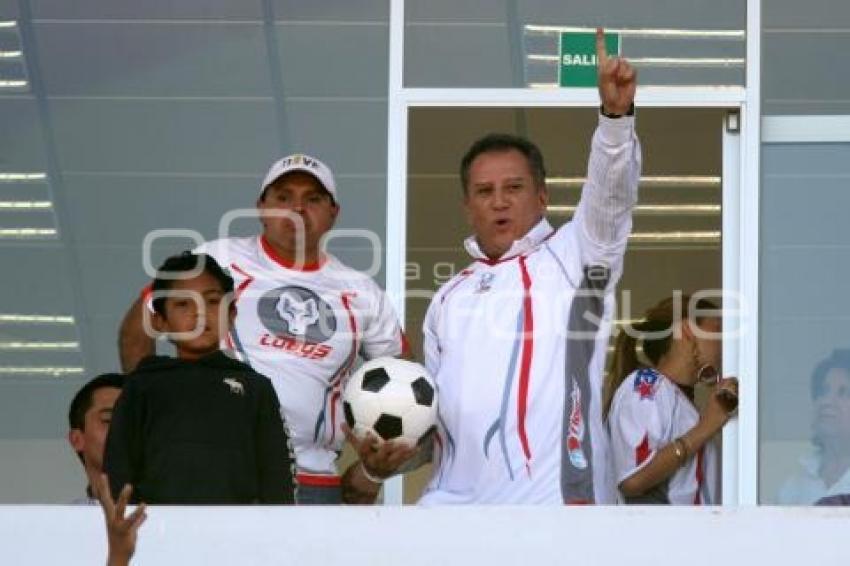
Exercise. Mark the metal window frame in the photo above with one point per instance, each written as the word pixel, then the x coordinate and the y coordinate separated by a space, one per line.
pixel 801 129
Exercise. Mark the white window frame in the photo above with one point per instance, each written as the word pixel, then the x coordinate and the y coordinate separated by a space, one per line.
pixel 740 216
pixel 805 129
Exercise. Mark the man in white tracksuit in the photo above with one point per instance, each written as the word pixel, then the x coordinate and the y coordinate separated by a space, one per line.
pixel 517 340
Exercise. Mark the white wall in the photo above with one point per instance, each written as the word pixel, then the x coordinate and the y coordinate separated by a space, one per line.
pixel 40 471
pixel 445 536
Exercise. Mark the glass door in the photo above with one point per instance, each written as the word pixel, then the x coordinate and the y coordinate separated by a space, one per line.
pixel 677 239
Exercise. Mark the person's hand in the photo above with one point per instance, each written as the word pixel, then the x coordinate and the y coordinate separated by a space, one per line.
pixel 617 79
pixel 719 406
pixel 121 531
pixel 379 458
pixel 727 394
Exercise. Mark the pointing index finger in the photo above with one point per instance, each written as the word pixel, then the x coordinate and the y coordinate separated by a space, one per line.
pixel 601 53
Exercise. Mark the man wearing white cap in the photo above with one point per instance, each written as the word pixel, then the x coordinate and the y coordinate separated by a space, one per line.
pixel 302 319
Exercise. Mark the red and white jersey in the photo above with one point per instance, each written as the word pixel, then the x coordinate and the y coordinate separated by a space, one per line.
pixel 647 413
pixel 517 348
pixel 303 329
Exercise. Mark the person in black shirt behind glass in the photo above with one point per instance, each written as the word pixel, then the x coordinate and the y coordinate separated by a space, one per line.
pixel 202 428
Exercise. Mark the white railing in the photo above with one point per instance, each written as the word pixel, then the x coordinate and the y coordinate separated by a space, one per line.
pixel 491 536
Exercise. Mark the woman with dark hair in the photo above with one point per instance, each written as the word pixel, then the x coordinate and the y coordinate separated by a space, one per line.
pixel 663 447
pixel 825 472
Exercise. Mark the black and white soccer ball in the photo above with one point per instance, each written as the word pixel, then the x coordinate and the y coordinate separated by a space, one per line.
pixel 391 398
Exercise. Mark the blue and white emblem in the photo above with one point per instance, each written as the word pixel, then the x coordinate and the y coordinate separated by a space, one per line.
pixel 484 282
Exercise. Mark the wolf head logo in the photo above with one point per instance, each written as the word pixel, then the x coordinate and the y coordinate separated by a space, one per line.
pixel 298 314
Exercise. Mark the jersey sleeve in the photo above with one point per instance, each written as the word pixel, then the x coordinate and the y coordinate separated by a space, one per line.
pixel 382 334
pixel 123 455
pixel 146 296
pixel 202 248
pixel 219 250
pixel 275 459
pixel 598 233
pixel 639 428
pixel 225 251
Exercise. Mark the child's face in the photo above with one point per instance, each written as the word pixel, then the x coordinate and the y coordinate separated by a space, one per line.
pixel 197 302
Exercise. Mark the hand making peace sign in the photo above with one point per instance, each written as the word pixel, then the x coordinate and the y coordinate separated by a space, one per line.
pixel 121 529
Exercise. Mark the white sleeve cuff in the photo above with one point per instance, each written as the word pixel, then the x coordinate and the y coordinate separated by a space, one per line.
pixel 616 131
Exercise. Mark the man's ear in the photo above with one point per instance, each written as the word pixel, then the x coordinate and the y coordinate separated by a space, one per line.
pixel 543 195
pixel 542 199
pixel 76 439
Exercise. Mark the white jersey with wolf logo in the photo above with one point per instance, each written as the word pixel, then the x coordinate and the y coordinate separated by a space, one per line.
pixel 304 330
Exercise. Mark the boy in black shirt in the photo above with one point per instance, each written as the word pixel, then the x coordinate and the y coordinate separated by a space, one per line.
pixel 201 428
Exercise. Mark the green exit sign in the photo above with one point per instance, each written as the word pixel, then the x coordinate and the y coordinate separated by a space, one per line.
pixel 577 57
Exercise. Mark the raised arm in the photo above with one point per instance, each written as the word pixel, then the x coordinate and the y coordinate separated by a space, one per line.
pixel 134 344
pixel 615 159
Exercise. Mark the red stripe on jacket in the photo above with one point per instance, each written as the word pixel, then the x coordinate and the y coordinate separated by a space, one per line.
pixel 642 451
pixel 525 365
pixel 700 478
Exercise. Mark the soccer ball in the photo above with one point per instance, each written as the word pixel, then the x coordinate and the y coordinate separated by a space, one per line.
pixel 391 398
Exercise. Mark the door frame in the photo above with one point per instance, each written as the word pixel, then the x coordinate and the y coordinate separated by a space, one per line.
pixel 741 171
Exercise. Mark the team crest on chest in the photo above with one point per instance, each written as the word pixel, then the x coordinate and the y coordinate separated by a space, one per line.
pixel 646 382
pixel 485 282
pixel 235 385
pixel 298 321
pixel 297 312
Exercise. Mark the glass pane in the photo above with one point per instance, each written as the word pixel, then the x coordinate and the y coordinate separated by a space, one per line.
pixel 515 43
pixel 805 308
pixel 119 118
pixel 800 41
pixel 676 238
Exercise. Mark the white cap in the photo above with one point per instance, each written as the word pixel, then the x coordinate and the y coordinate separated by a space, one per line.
pixel 305 163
